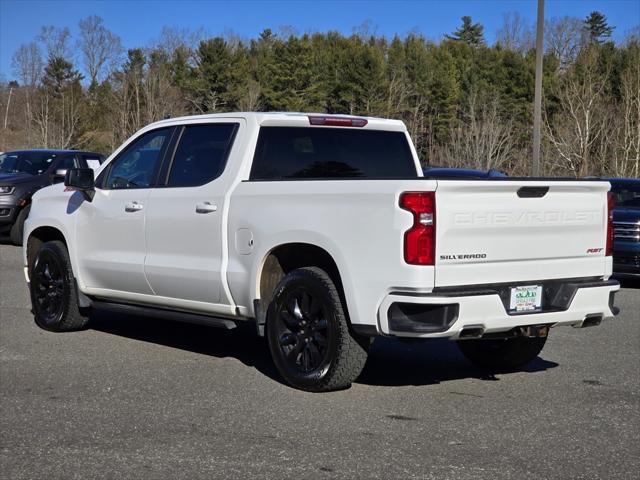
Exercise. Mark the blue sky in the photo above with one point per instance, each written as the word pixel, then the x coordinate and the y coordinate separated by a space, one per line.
pixel 138 22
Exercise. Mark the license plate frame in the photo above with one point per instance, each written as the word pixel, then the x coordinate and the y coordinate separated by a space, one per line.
pixel 525 299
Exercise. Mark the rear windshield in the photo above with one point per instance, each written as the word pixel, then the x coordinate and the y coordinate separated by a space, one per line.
pixel 315 152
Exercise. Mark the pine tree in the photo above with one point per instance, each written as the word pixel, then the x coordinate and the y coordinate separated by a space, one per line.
pixel 597 28
pixel 135 62
pixel 214 82
pixel 61 100
pixel 469 33
pixel 58 75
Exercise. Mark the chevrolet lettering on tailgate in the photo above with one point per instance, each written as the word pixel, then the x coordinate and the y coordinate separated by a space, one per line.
pixel 526 218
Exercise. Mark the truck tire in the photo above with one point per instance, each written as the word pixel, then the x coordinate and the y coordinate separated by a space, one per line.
pixel 53 290
pixel 308 334
pixel 18 227
pixel 502 354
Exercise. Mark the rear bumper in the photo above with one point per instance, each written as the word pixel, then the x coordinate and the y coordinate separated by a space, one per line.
pixel 446 314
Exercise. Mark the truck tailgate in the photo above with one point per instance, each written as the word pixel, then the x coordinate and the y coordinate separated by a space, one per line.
pixel 519 230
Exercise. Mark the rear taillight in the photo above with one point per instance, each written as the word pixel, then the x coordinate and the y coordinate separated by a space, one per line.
pixel 338 121
pixel 611 203
pixel 420 239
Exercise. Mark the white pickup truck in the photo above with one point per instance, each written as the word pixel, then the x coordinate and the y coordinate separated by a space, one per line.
pixel 323 231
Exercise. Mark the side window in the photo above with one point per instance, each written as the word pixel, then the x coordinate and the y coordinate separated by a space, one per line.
pixel 91 161
pixel 66 162
pixel 136 166
pixel 201 154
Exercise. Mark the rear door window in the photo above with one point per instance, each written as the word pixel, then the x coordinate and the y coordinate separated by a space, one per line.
pixel 295 153
pixel 201 154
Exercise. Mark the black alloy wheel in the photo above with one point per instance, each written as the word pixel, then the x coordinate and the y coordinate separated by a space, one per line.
pixel 309 336
pixel 52 285
pixel 49 287
pixel 302 331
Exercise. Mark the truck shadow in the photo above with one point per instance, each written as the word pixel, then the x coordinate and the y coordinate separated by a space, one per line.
pixel 390 363
pixel 627 283
pixel 241 343
pixel 394 363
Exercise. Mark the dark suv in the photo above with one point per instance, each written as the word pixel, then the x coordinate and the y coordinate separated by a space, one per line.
pixel 22 172
pixel 626 222
pixel 450 173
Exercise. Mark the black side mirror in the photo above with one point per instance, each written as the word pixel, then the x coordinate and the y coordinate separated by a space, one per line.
pixel 81 179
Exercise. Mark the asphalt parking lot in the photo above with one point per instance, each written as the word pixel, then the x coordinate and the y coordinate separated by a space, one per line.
pixel 143 398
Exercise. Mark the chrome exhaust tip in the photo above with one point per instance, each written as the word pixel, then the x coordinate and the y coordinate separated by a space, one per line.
pixel 473 331
pixel 591 320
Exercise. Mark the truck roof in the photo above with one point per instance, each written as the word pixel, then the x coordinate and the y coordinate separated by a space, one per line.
pixel 282 119
pixel 55 151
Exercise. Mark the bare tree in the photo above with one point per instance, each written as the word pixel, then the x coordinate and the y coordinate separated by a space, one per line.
pixel 28 67
pixel 250 101
pixel 27 64
pixel 623 152
pixel 632 36
pixel 234 39
pixel 564 37
pixel 58 103
pixel 100 47
pixel 516 33
pixel 56 42
pixel 143 93
pixel 365 30
pixel 582 119
pixel 120 113
pixel 182 40
pixel 65 118
pixel 11 124
pixel 42 119
pixel 161 98
pixel 287 31
pixel 398 90
pixel 482 139
pixel 126 104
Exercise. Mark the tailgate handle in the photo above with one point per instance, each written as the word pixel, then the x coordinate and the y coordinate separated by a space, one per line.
pixel 532 192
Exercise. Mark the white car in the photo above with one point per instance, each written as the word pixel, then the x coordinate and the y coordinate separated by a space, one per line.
pixel 323 231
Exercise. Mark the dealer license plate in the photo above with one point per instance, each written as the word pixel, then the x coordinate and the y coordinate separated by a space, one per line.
pixel 526 298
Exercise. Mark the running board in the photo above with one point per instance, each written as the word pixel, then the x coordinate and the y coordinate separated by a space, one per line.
pixel 164 314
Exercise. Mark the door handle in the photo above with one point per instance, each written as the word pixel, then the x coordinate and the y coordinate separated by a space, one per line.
pixel 133 207
pixel 206 207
